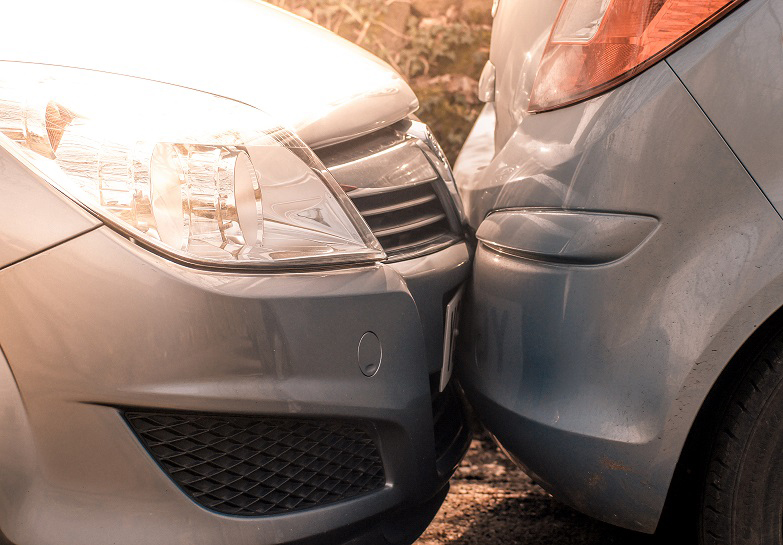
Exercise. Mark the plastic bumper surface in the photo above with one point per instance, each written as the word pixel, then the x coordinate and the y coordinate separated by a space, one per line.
pixel 98 326
pixel 623 257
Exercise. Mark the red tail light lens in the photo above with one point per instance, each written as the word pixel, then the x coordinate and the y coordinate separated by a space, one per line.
pixel 596 45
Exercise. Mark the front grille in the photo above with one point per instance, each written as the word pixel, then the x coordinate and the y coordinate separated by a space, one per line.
pixel 397 190
pixel 255 466
pixel 405 218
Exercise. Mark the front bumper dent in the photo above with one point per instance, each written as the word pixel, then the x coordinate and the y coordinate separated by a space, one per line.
pixel 98 326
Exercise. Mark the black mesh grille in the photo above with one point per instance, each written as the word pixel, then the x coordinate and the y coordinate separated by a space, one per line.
pixel 254 466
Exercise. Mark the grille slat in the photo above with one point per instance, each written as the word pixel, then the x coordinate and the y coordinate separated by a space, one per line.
pixel 399 206
pixel 407 242
pixel 370 199
pixel 411 226
pixel 393 246
pixel 415 218
pixel 256 466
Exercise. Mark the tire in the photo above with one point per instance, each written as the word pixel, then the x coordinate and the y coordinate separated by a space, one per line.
pixel 742 498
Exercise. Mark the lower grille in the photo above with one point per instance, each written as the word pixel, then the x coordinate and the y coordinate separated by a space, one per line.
pixel 255 466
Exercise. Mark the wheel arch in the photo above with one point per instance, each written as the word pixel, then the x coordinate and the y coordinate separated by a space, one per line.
pixel 683 497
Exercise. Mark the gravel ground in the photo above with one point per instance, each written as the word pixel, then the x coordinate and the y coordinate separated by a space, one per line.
pixel 492 502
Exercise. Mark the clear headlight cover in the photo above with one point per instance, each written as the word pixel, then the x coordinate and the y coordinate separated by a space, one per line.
pixel 200 178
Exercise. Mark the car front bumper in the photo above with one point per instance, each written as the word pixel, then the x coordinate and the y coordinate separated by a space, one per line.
pixel 98 326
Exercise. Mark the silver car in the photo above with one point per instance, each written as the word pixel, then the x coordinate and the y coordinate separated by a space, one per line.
pixel 230 261
pixel 623 335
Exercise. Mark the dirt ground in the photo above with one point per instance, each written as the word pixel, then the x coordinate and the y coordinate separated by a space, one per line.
pixel 492 502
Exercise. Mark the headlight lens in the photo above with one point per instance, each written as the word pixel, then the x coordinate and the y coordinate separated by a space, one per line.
pixel 201 178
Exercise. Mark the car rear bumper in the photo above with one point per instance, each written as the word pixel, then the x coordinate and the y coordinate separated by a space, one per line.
pixel 622 260
pixel 97 328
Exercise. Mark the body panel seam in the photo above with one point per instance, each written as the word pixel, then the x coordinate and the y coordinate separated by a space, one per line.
pixel 728 145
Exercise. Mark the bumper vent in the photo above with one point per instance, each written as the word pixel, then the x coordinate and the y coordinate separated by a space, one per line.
pixel 452 431
pixel 255 466
pixel 398 190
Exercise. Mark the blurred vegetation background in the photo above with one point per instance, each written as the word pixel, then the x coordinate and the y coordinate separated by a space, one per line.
pixel 439 46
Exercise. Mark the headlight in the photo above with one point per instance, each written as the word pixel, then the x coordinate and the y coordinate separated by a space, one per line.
pixel 201 178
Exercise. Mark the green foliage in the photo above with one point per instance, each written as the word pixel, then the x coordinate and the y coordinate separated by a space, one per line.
pixel 451 115
pixel 441 56
pixel 349 18
pixel 439 48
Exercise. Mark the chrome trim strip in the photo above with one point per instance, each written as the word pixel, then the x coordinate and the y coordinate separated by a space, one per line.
pixel 379 233
pixel 400 206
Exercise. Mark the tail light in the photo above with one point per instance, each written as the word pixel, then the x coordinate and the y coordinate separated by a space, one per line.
pixel 596 45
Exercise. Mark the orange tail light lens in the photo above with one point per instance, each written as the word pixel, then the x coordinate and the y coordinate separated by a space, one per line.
pixel 596 45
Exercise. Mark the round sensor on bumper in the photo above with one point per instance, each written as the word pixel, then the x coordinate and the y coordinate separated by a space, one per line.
pixel 370 354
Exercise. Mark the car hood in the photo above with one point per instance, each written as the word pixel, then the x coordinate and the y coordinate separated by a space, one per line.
pixel 310 80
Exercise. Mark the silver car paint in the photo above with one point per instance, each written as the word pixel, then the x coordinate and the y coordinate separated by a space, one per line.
pixel 310 80
pixel 519 35
pixel 20 474
pixel 735 75
pixel 91 323
pixel 87 330
pixel 34 216
pixel 592 375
